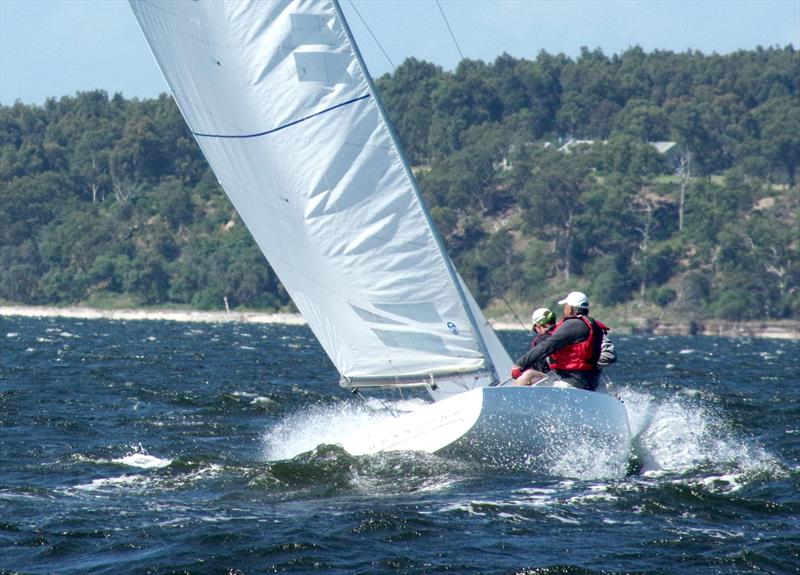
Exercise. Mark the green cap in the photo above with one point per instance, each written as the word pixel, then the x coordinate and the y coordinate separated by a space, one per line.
pixel 543 316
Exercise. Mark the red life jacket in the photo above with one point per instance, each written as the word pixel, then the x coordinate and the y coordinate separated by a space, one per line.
pixel 581 356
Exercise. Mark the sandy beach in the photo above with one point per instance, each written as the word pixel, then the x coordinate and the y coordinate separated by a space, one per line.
pixel 152 314
pixel 771 329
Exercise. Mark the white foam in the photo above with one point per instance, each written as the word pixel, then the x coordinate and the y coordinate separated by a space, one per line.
pixel 567 520
pixel 587 458
pixel 305 430
pixel 138 457
pixel 111 482
pixel 143 461
pixel 12 334
pixel 680 434
pixel 263 401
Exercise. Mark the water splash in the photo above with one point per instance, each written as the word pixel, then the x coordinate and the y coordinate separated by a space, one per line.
pixel 586 459
pixel 138 457
pixel 681 434
pixel 319 425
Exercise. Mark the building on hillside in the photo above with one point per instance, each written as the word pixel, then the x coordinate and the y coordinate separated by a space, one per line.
pixel 573 143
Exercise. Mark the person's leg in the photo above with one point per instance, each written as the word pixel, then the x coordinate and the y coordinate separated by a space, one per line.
pixel 529 377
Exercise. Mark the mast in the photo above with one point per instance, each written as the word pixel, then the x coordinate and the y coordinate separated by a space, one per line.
pixel 413 181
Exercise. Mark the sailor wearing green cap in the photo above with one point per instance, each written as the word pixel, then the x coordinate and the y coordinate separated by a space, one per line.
pixel 543 321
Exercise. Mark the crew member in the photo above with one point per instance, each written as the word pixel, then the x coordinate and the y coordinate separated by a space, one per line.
pixel 573 347
pixel 544 321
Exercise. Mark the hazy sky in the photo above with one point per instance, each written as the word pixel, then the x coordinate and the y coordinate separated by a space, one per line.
pixel 57 47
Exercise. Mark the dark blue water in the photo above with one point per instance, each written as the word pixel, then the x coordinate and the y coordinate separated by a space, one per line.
pixel 158 447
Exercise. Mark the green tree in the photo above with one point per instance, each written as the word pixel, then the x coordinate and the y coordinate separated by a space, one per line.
pixel 407 95
pixel 779 125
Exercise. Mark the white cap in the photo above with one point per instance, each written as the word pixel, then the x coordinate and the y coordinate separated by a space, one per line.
pixel 576 299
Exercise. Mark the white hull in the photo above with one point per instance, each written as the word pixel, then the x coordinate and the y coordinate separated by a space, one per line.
pixel 512 427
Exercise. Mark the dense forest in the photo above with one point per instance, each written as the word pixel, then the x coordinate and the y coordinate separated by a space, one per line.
pixel 655 181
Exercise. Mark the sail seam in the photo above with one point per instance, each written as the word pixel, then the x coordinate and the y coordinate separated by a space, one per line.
pixel 273 130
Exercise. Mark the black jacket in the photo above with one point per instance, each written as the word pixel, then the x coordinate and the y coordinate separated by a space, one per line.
pixel 541 364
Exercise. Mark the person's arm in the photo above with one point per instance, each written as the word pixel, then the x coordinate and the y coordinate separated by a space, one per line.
pixel 608 354
pixel 567 333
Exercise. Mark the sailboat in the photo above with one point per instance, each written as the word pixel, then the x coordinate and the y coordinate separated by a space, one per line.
pixel 281 103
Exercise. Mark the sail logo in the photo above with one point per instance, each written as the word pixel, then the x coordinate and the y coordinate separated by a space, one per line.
pixel 452 327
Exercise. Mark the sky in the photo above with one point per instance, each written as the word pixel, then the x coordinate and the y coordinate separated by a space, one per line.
pixel 53 48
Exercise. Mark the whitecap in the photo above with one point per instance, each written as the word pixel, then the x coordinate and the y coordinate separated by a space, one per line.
pixel 143 461
pixel 726 483
pixel 567 520
pixel 459 507
pixel 591 498
pixel 139 457
pixel 12 334
pixel 111 482
pixel 263 401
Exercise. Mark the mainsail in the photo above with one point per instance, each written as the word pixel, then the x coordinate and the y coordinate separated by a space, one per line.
pixel 278 98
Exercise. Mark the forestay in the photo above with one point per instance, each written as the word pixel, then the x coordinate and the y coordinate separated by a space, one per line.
pixel 278 99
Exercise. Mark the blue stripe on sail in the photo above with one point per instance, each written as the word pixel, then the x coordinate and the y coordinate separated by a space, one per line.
pixel 273 130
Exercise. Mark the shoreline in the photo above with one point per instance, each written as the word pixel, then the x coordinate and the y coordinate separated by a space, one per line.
pixel 769 329
pixel 153 314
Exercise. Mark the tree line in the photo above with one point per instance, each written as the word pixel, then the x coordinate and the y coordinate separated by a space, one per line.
pixel 676 190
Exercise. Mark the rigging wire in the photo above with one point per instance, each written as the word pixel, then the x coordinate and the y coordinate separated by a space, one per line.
pixel 453 36
pixel 513 312
pixel 357 392
pixel 364 22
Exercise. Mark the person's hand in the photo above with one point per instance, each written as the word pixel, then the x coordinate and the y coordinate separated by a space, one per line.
pixel 516 371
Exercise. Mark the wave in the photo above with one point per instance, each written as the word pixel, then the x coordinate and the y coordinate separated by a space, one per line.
pixel 303 431
pixel 143 461
pixel 684 434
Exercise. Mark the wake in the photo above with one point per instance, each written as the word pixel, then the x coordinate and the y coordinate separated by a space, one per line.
pixel 681 435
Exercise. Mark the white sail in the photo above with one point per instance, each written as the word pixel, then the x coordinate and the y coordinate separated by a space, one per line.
pixel 276 95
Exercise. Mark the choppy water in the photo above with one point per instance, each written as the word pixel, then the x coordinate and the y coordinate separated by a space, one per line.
pixel 158 447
